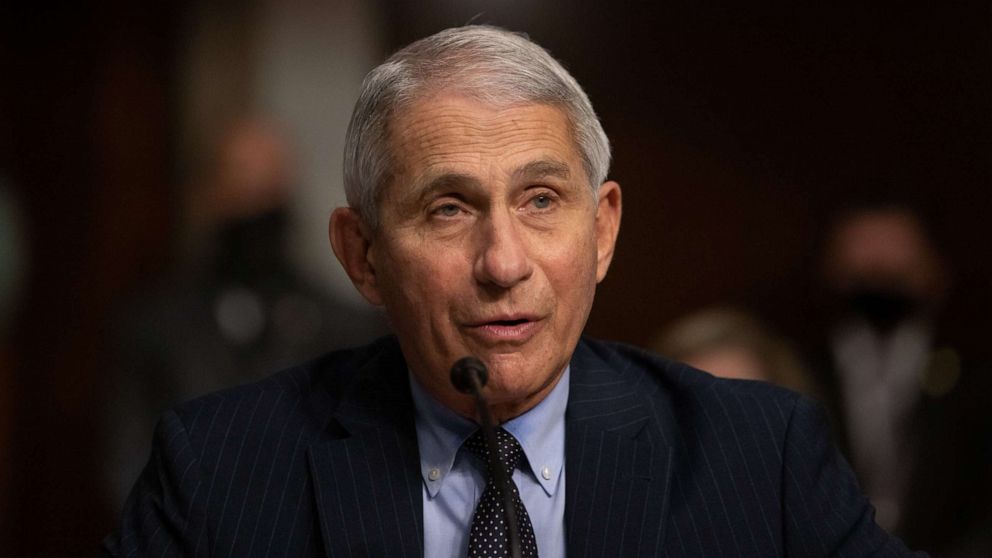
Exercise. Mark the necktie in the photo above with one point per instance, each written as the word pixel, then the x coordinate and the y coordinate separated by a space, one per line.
pixel 489 536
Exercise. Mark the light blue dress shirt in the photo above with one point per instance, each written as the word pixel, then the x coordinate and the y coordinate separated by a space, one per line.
pixel 454 480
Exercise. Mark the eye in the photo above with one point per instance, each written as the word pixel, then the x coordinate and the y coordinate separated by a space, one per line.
pixel 447 210
pixel 541 201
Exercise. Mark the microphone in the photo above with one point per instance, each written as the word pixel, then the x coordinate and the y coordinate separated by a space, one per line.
pixel 469 375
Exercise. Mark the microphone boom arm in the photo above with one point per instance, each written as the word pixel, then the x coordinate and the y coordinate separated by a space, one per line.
pixel 469 375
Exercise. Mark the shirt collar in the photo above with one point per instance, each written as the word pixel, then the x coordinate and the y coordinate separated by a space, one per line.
pixel 540 431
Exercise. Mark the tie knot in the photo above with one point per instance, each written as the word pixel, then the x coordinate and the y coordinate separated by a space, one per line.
pixel 509 450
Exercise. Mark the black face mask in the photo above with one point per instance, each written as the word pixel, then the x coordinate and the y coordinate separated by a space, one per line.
pixel 253 248
pixel 883 308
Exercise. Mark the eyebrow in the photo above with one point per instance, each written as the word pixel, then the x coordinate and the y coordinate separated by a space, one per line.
pixel 446 182
pixel 535 170
pixel 542 169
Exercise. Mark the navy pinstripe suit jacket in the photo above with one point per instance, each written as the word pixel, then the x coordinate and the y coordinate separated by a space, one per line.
pixel 661 460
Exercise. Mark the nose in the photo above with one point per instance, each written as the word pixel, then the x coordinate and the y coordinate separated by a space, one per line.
pixel 503 259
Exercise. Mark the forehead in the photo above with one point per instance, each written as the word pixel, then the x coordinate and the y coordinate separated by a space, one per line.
pixel 446 131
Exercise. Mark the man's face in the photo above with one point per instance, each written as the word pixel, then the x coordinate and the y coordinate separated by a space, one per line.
pixel 490 244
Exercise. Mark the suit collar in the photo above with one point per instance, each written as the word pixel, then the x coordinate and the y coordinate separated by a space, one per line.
pixel 601 396
pixel 617 458
pixel 365 467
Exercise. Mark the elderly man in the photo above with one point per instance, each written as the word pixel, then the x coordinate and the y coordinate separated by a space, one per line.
pixel 480 218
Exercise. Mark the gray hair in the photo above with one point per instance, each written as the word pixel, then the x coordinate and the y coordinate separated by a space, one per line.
pixel 485 63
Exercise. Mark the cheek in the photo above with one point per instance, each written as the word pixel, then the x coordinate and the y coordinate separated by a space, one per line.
pixel 416 278
pixel 572 277
pixel 572 267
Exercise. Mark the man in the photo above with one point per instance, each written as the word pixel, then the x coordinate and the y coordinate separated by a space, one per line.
pixel 480 218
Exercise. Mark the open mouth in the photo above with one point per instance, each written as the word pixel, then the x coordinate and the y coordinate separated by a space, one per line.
pixel 511 329
pixel 508 323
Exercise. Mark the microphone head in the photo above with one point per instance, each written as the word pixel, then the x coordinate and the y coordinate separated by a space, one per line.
pixel 467 369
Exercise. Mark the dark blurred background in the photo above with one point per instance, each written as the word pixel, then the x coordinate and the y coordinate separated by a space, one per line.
pixel 739 130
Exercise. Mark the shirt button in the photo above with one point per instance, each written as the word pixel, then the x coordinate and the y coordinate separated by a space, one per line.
pixel 546 473
pixel 434 474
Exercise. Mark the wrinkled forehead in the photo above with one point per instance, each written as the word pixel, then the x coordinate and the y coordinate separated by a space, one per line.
pixel 452 125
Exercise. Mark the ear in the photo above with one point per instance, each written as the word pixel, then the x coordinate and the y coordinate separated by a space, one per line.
pixel 351 241
pixel 608 212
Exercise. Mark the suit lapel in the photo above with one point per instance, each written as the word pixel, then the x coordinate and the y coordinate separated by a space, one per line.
pixel 617 460
pixel 366 473
pixel 366 469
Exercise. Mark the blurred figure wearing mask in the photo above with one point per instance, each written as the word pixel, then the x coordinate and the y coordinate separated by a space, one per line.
pixel 897 388
pixel 233 312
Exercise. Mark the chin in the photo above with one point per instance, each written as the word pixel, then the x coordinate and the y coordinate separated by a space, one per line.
pixel 509 384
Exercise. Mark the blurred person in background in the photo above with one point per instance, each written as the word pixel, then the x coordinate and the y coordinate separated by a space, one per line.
pixel 731 343
pixel 233 311
pixel 908 410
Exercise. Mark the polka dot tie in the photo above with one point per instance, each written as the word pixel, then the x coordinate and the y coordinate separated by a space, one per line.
pixel 489 536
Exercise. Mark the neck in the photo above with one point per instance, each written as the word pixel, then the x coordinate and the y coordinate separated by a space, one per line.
pixel 503 407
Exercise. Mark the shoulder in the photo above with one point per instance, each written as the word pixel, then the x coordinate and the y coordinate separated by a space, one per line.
pixel 671 379
pixel 683 399
pixel 306 394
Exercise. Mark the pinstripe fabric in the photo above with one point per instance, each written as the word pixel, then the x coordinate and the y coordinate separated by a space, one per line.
pixel 661 460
